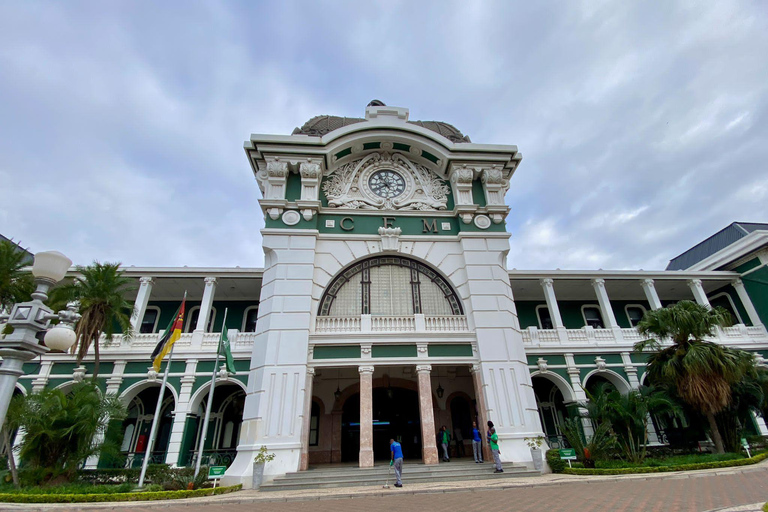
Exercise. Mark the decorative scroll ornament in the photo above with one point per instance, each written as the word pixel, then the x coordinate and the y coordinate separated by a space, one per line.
pixel 349 185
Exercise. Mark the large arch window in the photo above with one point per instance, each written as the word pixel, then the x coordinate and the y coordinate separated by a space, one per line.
pixel 389 286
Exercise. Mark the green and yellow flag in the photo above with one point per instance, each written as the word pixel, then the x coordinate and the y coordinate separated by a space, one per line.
pixel 171 334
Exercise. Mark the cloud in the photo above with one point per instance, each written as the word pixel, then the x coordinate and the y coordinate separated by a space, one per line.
pixel 121 124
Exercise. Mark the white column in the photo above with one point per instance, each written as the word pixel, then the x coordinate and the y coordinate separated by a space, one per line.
pixel 630 370
pixel 142 299
pixel 206 305
pixel 180 414
pixel 605 303
pixel 578 391
pixel 650 293
pixel 548 285
pixel 113 388
pixel 698 292
pixel 747 302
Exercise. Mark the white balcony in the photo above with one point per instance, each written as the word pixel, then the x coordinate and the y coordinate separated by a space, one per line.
pixel 207 341
pixel 390 324
pixel 532 336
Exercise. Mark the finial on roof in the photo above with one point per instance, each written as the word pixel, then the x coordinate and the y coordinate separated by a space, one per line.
pixel 376 103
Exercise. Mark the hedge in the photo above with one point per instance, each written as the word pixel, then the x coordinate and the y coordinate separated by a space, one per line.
pixel 125 496
pixel 665 469
pixel 555 462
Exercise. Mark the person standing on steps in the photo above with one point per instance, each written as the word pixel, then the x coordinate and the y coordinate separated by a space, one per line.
pixel 493 441
pixel 477 441
pixel 445 439
pixel 396 461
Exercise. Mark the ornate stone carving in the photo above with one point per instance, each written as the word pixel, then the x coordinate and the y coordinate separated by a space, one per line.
pixel 390 239
pixel 347 186
pixel 542 364
pixel 151 374
pixel 600 363
pixel 79 374
pixel 310 170
pixel 423 368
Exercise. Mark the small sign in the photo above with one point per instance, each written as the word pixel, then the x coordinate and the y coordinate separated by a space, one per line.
pixel 445 226
pixel 567 454
pixel 216 472
pixel 744 442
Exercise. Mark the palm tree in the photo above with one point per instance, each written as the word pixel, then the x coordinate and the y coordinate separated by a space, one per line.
pixel 15 285
pixel 60 427
pixel 702 373
pixel 100 289
pixel 628 415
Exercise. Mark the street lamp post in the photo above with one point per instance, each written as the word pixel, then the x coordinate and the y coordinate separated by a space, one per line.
pixel 30 318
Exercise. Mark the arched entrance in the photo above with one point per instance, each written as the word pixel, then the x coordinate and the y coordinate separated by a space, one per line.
pixel 552 409
pixel 223 427
pixel 137 425
pixel 395 416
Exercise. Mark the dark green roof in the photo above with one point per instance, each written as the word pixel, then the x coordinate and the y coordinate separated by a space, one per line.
pixel 717 242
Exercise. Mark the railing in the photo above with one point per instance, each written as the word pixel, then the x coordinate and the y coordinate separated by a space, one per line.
pixel 212 457
pixel 207 341
pixel 211 339
pixel 245 339
pixel 393 324
pixel 589 335
pixel 337 324
pixel 446 323
pixel 135 459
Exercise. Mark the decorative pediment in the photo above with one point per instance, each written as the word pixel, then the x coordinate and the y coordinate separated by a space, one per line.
pixel 385 181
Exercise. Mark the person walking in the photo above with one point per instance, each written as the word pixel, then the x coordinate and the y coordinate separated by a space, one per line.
pixel 477 441
pixel 445 439
pixel 493 441
pixel 396 461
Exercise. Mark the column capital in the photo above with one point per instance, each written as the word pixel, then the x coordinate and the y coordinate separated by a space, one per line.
pixel 423 368
pixel 146 280
pixel 598 282
pixel 694 282
pixel 210 280
pixel 475 368
pixel 737 282
pixel 547 281
pixel 647 282
pixel 310 371
pixel 365 369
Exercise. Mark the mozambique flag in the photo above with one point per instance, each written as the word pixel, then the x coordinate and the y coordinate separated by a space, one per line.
pixel 171 334
pixel 225 350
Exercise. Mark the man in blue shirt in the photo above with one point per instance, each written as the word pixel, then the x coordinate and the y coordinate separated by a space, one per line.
pixel 477 444
pixel 397 461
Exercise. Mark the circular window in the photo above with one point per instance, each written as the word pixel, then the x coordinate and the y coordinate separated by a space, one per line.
pixel 386 184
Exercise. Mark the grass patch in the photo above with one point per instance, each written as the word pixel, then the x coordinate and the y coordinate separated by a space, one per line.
pixel 115 496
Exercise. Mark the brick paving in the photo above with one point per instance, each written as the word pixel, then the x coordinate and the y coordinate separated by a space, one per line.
pixel 675 492
pixel 678 493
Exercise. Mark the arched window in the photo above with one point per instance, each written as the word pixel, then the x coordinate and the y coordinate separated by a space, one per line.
pixel 194 314
pixel 249 318
pixel 389 286
pixel 149 322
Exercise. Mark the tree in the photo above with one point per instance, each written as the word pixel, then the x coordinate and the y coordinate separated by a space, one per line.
pixel 15 285
pixel 11 426
pixel 60 428
pixel 747 395
pixel 628 414
pixel 701 373
pixel 601 442
pixel 100 289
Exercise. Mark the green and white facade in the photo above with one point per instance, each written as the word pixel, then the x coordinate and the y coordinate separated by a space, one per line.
pixel 385 309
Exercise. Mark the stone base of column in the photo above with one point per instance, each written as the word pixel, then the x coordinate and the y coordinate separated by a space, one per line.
pixel 304 461
pixel 366 458
pixel 429 455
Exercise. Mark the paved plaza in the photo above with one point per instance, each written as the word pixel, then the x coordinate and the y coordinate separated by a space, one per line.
pixel 697 491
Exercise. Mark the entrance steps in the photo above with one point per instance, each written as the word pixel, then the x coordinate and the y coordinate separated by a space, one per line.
pixel 322 477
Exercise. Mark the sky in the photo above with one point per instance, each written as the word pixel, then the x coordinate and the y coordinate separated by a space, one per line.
pixel 643 126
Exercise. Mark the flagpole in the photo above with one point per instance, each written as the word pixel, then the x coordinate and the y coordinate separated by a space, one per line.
pixel 153 430
pixel 158 407
pixel 204 430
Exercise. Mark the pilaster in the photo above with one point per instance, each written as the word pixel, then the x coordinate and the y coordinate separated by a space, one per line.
pixel 180 413
pixel 306 418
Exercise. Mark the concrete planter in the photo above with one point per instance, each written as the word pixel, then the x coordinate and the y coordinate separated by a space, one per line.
pixel 258 474
pixel 537 459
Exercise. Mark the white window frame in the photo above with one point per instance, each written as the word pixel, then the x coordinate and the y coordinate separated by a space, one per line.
pixel 245 316
pixel 626 311
pixel 212 320
pixel 599 310
pixel 733 304
pixel 538 317
pixel 157 318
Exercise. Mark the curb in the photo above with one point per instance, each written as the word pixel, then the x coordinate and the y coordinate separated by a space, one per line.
pixel 376 492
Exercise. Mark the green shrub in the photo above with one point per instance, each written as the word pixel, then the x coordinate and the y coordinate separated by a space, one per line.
pixel 663 469
pixel 555 463
pixel 128 496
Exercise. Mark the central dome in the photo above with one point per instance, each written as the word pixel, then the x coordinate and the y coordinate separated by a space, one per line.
pixel 320 125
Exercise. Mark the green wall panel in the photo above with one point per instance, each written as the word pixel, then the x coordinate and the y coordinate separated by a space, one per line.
pixel 450 350
pixel 337 352
pixel 749 265
pixel 63 369
pixel 478 195
pixel 552 359
pixel 293 187
pixel 756 284
pixel 394 351
pixel 31 368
